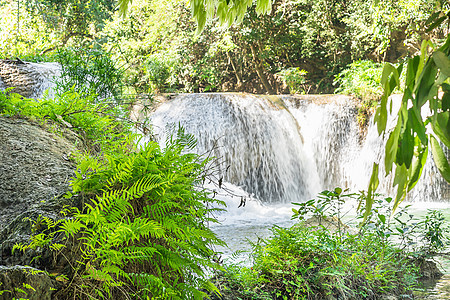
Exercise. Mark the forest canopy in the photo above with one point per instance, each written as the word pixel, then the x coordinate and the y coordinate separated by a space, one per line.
pixel 274 47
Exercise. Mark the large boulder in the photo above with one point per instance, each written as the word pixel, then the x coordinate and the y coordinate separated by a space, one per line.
pixel 35 167
pixel 35 172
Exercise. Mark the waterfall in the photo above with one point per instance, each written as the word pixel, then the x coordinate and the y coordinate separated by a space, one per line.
pixel 287 148
pixel 48 72
pixel 257 142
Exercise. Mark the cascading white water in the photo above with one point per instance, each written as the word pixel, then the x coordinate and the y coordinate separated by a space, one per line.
pixel 30 79
pixel 331 135
pixel 287 149
pixel 45 81
pixel 258 141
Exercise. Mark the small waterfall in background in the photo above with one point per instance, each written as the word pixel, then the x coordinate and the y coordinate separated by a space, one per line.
pixel 30 80
pixel 46 81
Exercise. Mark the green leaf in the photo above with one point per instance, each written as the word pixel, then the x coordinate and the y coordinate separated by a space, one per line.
pixel 415 119
pixel 411 71
pixel 400 180
pixel 446 102
pixel 441 127
pixel 418 162
pixel 442 62
pixel 436 24
pixel 381 117
pixel 446 46
pixel 405 149
pixel 392 146
pixel 432 18
pixel 423 89
pixel 439 158
pixel 338 190
pixel 373 185
pixel 389 69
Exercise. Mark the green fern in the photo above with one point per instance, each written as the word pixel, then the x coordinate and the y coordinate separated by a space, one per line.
pixel 143 229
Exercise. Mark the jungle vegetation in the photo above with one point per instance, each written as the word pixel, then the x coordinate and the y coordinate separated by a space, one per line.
pixel 279 47
pixel 144 225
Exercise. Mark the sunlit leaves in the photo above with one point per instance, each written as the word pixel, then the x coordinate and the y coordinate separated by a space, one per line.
pixel 407 146
pixel 227 11
pixel 442 62
pixel 373 185
pixel 440 158
pixel 441 127
pixel 390 79
pixel 145 211
pixel 123 6
pixel 418 162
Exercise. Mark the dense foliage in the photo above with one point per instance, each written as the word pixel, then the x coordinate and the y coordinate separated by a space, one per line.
pixel 143 228
pixel 249 56
pixel 295 34
pixel 35 27
pixel 89 71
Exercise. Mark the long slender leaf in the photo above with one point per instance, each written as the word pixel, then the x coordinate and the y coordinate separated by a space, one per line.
pixel 373 185
pixel 440 158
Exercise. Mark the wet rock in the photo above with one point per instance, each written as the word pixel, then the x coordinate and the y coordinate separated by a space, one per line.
pixel 25 282
pixel 428 269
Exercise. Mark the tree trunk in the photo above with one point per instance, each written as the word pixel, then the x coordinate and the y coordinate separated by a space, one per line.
pixel 260 71
pixel 236 72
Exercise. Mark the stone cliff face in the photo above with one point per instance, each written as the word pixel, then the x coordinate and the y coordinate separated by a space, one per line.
pixel 35 169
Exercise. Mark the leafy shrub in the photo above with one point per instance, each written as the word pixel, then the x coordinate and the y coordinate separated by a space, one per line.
pixel 434 230
pixel 320 257
pixel 89 71
pixel 159 68
pixel 95 122
pixel 294 79
pixel 361 78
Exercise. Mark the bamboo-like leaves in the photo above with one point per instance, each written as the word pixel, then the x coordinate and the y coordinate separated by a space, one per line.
pixel 408 142
pixel 441 127
pixel 418 162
